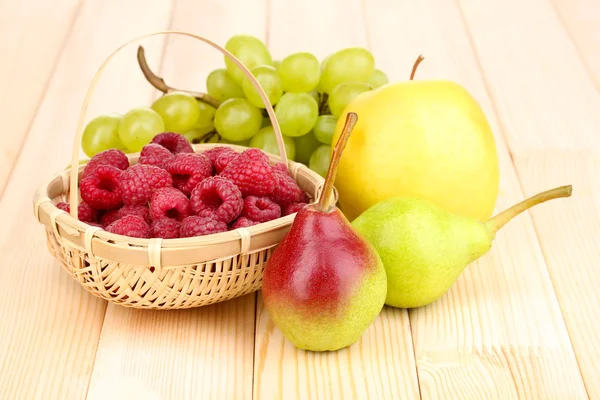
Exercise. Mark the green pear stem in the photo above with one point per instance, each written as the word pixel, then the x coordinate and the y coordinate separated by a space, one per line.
pixel 324 204
pixel 415 66
pixel 497 222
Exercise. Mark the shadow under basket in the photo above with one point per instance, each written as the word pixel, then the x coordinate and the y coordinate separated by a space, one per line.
pixel 163 273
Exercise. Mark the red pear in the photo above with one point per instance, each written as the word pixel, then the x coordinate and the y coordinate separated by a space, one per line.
pixel 324 284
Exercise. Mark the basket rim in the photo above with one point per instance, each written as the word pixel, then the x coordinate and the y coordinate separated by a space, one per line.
pixel 109 246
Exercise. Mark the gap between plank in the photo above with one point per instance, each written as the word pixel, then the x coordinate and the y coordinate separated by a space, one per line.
pixel 42 96
pixel 502 130
pixel 163 51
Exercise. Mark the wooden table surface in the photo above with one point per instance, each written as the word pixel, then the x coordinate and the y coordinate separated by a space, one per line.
pixel 522 322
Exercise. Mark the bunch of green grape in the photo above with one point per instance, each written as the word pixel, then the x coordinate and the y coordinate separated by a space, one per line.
pixel 308 97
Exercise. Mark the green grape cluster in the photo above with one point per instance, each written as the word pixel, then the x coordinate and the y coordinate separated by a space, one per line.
pixel 308 97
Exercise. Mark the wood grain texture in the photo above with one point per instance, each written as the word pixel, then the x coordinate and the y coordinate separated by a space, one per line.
pixel 498 333
pixel 204 353
pixel 565 109
pixel 33 37
pixel 581 19
pixel 50 325
pixel 381 364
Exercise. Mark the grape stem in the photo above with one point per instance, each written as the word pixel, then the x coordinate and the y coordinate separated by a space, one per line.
pixel 415 66
pixel 160 84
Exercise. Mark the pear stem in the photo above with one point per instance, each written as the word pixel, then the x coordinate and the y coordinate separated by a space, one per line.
pixel 415 66
pixel 324 204
pixel 160 84
pixel 497 222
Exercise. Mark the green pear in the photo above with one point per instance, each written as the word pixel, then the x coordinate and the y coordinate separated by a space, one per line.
pixel 425 248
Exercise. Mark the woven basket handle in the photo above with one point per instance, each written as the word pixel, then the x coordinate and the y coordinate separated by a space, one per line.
pixel 73 197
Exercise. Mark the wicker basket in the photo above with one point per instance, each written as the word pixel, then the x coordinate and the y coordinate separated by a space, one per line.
pixel 162 273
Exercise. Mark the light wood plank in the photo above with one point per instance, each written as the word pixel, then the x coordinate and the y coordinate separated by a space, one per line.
pixel 570 241
pixel 541 88
pixel 50 325
pixel 499 332
pixel 581 18
pixel 200 353
pixel 33 36
pixel 564 104
pixel 204 353
pixel 381 365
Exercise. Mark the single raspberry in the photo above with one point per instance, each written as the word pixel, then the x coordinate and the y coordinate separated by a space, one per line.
pixel 101 189
pixel 113 157
pixel 224 159
pixel 200 226
pixel 130 225
pixel 169 202
pixel 166 228
pixel 174 142
pixel 260 209
pixel 251 173
pixel 243 222
pixel 293 208
pixel 218 198
pixel 108 217
pixel 188 170
pixel 155 154
pixel 287 190
pixel 214 153
pixel 135 209
pixel 85 213
pixel 140 181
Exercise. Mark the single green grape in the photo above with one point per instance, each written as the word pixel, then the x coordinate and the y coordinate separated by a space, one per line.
pixel 139 126
pixel 251 52
pixel 305 145
pixel 206 117
pixel 378 79
pixel 354 64
pixel 266 140
pixel 237 120
pixel 319 160
pixel 324 128
pixel 179 111
pixel 221 86
pixel 102 133
pixel 343 94
pixel 300 72
pixel 269 80
pixel 296 113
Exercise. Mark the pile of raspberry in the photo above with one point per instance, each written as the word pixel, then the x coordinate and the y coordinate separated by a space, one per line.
pixel 173 192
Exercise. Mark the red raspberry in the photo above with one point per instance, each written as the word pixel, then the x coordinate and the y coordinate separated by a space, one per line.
pixel 214 153
pixel 218 198
pixel 294 208
pixel 188 170
pixel 200 226
pixel 155 154
pixel 287 190
pixel 174 142
pixel 108 217
pixel 85 213
pixel 166 228
pixel 140 181
pixel 251 173
pixel 243 222
pixel 260 209
pixel 169 202
pixel 101 189
pixel 113 157
pixel 135 209
pixel 130 225
pixel 224 159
